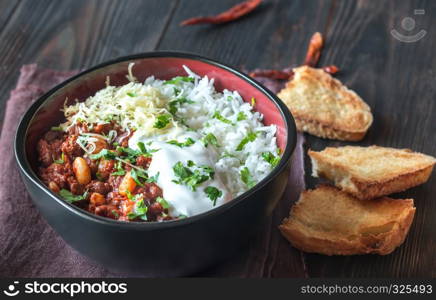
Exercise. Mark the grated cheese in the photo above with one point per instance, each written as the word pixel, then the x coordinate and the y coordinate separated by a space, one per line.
pixel 132 106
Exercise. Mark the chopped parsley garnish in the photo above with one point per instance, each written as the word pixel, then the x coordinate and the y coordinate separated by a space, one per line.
pixel 173 107
pixel 115 213
pixel 271 158
pixel 142 148
pixel 183 122
pixel 187 143
pixel 131 94
pixel 105 153
pixel 227 154
pixel 253 101
pixel 139 211
pixel 137 174
pixel 56 128
pixel 129 195
pixel 178 79
pixel 127 154
pixel 162 121
pixel 162 202
pixel 190 176
pixel 210 138
pixel 129 151
pixel 131 155
pixel 154 178
pixel 70 197
pixel 119 173
pixel 218 116
pixel 241 116
pixel 247 178
pixel 119 170
pixel 181 171
pixel 173 104
pixel 213 193
pixel 61 160
pixel 249 138
pixel 229 98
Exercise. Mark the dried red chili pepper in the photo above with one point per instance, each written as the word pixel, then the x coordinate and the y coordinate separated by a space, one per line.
pixel 273 74
pixel 232 14
pixel 312 58
pixel 332 69
pixel 314 50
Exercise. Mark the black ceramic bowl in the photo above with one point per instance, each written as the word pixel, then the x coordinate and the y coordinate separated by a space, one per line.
pixel 169 248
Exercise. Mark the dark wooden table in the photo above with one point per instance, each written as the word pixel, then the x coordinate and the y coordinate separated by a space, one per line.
pixel 397 79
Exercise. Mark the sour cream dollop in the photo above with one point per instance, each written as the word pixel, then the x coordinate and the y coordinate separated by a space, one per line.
pixel 181 198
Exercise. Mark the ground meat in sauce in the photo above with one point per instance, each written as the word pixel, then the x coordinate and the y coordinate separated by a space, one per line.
pixel 70 147
pixel 143 162
pixel 100 187
pixel 105 168
pixel 57 152
pixel 48 151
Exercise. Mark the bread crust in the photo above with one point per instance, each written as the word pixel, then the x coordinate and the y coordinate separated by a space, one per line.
pixel 323 106
pixel 374 234
pixel 372 189
pixel 345 176
pixel 327 132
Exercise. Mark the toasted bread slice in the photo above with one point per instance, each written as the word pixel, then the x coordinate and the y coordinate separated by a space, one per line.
pixel 323 106
pixel 329 221
pixel 370 172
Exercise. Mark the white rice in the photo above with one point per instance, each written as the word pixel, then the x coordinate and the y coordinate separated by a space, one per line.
pixel 152 98
pixel 199 116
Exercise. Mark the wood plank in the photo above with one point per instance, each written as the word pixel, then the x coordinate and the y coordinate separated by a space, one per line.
pixel 275 35
pixel 7 8
pixel 77 34
pixel 397 80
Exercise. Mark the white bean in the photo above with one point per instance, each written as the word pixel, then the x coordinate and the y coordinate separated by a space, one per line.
pixel 81 170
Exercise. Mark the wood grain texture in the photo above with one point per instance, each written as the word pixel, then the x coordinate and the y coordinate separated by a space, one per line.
pixel 396 79
pixel 6 10
pixel 76 34
pixel 274 35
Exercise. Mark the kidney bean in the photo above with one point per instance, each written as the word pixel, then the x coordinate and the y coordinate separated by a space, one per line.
pixel 97 199
pixel 54 187
pixel 105 168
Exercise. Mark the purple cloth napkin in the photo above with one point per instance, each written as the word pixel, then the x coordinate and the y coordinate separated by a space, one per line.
pixel 29 247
